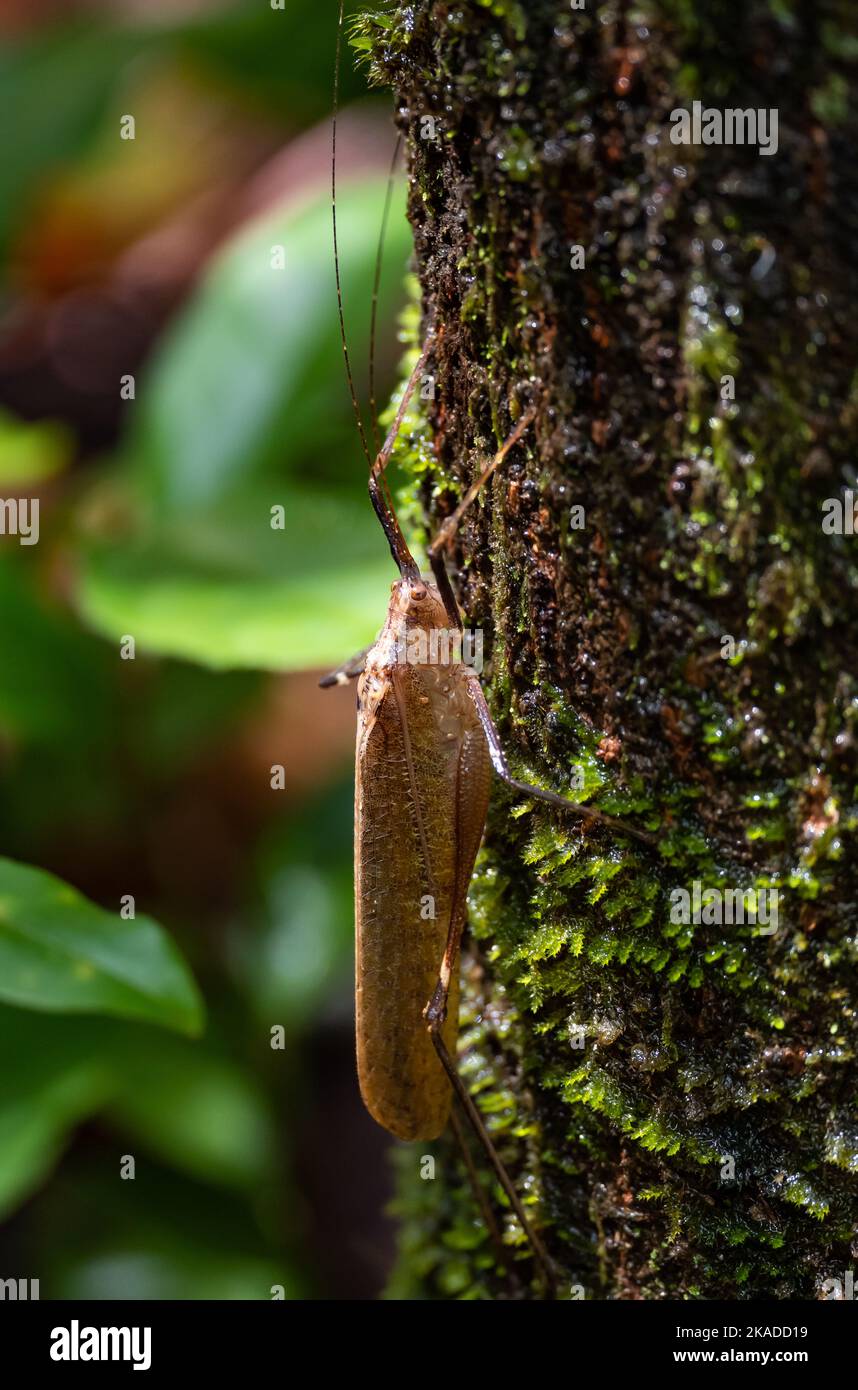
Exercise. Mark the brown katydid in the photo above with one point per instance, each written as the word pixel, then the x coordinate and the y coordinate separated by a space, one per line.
pixel 426 748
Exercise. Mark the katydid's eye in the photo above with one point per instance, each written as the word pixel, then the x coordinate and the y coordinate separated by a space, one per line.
pixel 418 593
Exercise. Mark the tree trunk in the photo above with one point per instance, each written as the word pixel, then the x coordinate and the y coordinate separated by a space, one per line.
pixel 672 621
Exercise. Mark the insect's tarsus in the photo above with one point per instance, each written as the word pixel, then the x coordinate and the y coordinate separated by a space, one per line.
pixel 501 767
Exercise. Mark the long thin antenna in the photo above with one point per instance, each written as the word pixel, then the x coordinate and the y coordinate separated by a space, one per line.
pixel 376 285
pixel 349 374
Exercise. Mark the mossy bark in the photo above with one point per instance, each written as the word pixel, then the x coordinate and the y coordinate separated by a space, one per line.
pixel 676 1100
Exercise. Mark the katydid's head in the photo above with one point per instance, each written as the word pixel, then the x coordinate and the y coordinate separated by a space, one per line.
pixel 417 603
pixel 418 630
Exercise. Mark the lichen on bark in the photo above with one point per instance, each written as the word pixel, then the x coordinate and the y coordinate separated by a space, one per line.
pixel 702 1142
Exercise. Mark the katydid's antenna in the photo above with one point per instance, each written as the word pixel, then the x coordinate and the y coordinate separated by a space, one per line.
pixel 375 290
pixel 343 338
pixel 378 488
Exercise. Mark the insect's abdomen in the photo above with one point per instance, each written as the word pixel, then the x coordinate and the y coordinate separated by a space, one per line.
pixel 422 787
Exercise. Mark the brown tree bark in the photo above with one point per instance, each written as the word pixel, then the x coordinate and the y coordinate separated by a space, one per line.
pixel 671 623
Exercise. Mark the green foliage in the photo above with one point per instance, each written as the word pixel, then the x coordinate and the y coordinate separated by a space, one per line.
pixel 79 68
pixel 196 1110
pixel 84 66
pixel 31 453
pixel 245 411
pixel 183 1103
pixel 652 1053
pixel 60 953
pixel 56 674
pixel 56 1080
pixel 300 935
pixel 123 776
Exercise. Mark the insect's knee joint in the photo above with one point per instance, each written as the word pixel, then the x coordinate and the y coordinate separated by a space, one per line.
pixel 435 1012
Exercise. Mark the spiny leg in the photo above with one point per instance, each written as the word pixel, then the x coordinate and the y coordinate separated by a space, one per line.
pixel 378 492
pixel 435 1014
pixel 475 1120
pixel 501 1251
pixel 501 767
pixel 450 526
pixel 436 559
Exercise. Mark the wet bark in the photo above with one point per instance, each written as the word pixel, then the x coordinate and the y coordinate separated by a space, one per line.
pixel 671 625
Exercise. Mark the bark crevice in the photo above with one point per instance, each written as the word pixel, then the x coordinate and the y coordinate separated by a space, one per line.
pixel 706 1047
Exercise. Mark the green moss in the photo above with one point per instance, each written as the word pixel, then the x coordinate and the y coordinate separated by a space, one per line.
pixel 621 1058
pixel 830 102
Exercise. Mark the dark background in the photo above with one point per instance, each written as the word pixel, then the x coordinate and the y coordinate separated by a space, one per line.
pixel 254 1166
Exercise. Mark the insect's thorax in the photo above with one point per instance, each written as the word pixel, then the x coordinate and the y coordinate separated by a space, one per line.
pixel 417 631
pixel 417 666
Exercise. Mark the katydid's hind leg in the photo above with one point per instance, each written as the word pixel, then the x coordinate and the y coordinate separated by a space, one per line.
pixel 475 1120
pixel 435 1015
pixel 501 767
pixel 349 670
pixel 502 1253
pixel 435 1012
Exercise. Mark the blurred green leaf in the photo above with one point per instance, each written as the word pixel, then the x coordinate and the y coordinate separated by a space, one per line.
pixel 31 453
pixel 290 963
pixel 83 66
pixel 188 712
pixel 235 593
pixel 38 1107
pixel 51 673
pixel 253 45
pixel 51 1077
pixel 197 1111
pixel 299 946
pixel 246 381
pixel 61 953
pixel 160 1236
pixel 176 1273
pixel 33 1129
pixel 183 1102
pixel 246 393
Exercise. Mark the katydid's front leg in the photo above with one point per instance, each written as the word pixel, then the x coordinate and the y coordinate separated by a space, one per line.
pixel 349 670
pixel 501 767
pixel 449 528
pixel 436 550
